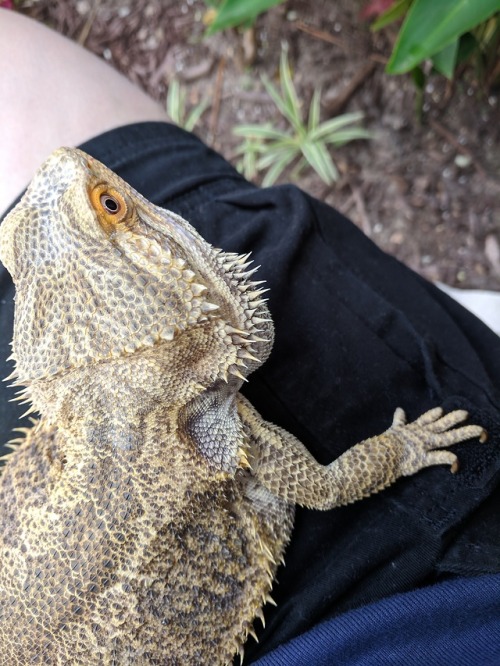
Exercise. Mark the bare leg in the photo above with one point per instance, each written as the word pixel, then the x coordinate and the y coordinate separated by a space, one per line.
pixel 484 304
pixel 54 93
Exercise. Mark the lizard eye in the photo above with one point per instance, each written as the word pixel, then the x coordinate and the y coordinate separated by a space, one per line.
pixel 111 206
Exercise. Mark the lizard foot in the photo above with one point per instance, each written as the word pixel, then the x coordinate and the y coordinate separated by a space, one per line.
pixel 433 430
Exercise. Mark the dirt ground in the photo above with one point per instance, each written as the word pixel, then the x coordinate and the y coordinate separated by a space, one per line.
pixel 426 192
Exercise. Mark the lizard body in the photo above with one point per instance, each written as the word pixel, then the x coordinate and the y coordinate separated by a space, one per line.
pixel 143 516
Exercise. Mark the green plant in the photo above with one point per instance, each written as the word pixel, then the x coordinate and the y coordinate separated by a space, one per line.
pixel 231 13
pixel 176 107
pixel 268 148
pixel 446 32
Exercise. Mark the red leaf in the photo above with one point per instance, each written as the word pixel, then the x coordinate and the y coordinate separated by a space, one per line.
pixel 375 8
pixel 7 4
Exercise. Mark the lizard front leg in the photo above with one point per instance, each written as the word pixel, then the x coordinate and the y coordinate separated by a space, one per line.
pixel 283 465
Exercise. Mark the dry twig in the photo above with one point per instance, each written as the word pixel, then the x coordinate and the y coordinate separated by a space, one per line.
pixel 214 116
pixel 359 203
pixel 320 34
pixel 336 105
pixel 85 31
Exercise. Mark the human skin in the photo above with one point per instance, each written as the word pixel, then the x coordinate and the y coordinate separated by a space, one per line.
pixel 55 93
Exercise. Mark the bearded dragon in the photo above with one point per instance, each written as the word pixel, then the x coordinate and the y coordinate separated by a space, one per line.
pixel 143 516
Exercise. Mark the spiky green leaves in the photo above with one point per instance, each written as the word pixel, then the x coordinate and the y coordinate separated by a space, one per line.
pixel 303 142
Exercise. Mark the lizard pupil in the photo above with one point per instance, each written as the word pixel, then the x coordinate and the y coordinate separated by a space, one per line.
pixel 110 204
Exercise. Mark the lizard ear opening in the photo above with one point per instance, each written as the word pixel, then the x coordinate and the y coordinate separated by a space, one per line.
pixel 110 205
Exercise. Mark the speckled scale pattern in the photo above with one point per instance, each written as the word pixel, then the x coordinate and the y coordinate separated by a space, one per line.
pixel 144 515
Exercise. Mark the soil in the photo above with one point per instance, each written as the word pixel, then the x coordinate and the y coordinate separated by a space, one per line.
pixel 424 190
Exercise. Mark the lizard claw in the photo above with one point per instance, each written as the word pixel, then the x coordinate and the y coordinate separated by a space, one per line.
pixel 399 418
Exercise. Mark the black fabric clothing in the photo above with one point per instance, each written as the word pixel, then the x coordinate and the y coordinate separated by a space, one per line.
pixel 357 335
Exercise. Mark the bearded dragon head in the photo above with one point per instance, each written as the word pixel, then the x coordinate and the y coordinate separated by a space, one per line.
pixel 101 273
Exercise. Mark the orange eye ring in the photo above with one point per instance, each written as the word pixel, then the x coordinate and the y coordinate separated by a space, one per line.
pixel 111 205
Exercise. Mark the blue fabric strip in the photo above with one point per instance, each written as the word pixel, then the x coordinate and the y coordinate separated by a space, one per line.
pixel 456 622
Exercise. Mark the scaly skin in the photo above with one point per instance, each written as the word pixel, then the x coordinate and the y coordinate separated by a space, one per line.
pixel 143 516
